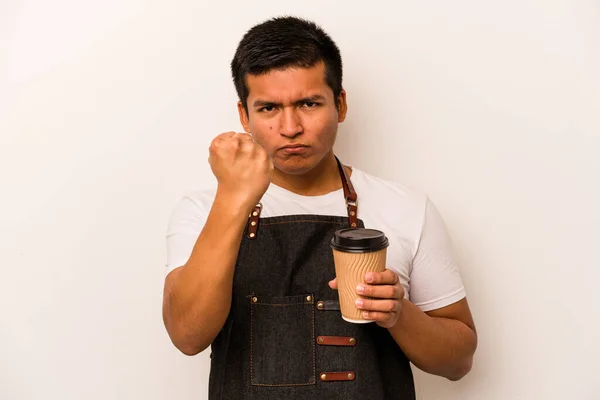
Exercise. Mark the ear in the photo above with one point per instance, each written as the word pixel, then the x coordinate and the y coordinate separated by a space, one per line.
pixel 244 119
pixel 342 106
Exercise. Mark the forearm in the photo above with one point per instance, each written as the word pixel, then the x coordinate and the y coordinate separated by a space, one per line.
pixel 198 301
pixel 440 346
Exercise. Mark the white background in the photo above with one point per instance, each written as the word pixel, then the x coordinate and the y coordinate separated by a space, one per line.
pixel 107 109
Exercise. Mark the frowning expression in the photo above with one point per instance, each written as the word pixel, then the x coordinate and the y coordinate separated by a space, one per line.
pixel 292 113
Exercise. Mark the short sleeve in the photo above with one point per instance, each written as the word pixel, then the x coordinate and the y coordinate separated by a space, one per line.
pixel 435 280
pixel 185 224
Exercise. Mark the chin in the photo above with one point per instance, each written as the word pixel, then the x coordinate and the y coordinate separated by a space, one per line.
pixel 295 166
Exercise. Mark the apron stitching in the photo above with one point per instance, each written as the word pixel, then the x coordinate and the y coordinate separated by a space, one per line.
pixel 251 374
pixel 314 380
pixel 295 222
pixel 284 384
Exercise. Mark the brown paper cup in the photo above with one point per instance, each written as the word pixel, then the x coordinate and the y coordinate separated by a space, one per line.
pixel 355 252
pixel 350 269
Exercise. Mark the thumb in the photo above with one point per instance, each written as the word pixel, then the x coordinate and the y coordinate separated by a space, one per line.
pixel 333 284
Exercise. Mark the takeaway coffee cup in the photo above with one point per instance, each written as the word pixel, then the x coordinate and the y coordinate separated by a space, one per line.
pixel 356 251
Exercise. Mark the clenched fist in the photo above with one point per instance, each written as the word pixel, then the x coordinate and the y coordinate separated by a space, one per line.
pixel 242 168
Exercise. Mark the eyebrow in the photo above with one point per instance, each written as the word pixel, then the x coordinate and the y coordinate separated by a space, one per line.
pixel 264 103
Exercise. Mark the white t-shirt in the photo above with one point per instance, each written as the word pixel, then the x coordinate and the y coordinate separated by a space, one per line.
pixel 420 251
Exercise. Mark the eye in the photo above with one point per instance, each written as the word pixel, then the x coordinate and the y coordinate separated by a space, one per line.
pixel 310 104
pixel 268 108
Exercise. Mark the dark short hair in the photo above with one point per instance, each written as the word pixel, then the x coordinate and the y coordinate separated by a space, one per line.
pixel 285 42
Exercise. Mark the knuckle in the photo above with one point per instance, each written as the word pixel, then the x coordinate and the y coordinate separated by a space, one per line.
pixel 221 136
pixel 235 144
pixel 400 291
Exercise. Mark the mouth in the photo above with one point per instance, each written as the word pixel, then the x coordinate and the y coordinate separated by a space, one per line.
pixel 294 148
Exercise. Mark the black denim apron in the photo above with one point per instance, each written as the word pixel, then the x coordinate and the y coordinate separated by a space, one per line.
pixel 284 338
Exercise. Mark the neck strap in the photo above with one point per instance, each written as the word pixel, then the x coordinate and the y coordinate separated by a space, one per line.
pixel 349 195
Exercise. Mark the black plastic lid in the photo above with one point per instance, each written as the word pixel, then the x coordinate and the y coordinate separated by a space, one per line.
pixel 359 240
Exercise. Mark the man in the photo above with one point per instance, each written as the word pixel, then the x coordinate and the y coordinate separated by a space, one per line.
pixel 259 290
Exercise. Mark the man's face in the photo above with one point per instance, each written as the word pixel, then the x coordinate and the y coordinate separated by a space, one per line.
pixel 292 114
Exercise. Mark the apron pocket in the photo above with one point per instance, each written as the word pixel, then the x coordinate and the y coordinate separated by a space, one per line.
pixel 282 345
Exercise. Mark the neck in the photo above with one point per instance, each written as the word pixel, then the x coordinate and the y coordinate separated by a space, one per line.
pixel 322 179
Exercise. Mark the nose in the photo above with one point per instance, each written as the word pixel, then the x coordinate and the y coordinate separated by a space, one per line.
pixel 291 125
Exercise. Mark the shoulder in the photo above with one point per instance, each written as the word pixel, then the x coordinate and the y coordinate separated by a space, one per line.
pixel 192 206
pixel 388 196
pixel 392 207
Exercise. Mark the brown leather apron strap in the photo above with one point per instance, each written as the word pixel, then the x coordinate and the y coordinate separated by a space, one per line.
pixel 253 219
pixel 349 195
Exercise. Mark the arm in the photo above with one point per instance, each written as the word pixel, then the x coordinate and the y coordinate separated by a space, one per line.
pixel 197 296
pixel 441 341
